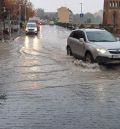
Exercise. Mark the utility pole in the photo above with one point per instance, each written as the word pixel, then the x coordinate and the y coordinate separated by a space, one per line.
pixel 26 10
pixel 4 11
pixel 19 19
pixel 81 13
pixel 3 28
pixel 81 7
pixel 9 23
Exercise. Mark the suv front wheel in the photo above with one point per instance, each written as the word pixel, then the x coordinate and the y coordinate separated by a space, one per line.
pixel 89 58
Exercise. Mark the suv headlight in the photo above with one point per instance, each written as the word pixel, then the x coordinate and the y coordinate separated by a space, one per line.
pixel 26 29
pixel 101 50
pixel 35 29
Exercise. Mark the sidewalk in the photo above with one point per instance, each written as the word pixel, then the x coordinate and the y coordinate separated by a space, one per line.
pixel 14 35
pixel 17 34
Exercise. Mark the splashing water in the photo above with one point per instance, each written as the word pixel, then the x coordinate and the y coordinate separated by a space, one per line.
pixel 87 67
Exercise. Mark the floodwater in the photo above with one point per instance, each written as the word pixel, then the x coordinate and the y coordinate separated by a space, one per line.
pixel 43 88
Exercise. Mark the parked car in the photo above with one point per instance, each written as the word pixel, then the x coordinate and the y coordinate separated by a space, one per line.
pixel 31 28
pixel 94 45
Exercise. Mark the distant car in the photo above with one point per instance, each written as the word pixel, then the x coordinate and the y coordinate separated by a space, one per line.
pixel 94 45
pixel 42 23
pixel 51 23
pixel 31 28
pixel 34 20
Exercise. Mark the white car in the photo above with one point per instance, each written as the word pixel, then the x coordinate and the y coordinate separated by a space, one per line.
pixel 31 28
pixel 94 45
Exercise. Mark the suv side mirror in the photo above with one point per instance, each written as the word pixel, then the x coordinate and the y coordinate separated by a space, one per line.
pixel 81 40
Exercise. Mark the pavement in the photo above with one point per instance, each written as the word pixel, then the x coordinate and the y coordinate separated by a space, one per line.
pixel 13 36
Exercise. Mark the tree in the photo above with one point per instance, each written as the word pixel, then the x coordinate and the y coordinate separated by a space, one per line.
pixel 40 13
pixel 16 7
pixel 1 8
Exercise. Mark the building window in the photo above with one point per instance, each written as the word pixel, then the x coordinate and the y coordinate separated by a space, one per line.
pixel 110 3
pixel 113 4
pixel 116 4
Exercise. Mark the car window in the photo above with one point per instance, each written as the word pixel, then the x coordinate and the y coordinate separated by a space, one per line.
pixel 78 35
pixel 31 25
pixel 100 36
pixel 72 34
pixel 81 35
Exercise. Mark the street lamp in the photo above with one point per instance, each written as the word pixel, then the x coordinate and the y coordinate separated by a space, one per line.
pixel 81 7
pixel 81 13
pixel 25 9
pixel 9 23
pixel 4 11
pixel 19 19
pixel 3 17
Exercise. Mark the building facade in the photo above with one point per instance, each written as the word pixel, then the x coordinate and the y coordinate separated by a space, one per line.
pixel 65 15
pixel 111 15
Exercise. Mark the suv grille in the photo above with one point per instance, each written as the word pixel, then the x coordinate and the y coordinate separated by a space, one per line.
pixel 115 51
pixel 31 30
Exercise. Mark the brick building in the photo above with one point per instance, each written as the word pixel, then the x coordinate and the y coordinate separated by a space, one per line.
pixel 111 16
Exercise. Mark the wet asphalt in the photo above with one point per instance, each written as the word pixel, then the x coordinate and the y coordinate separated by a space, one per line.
pixel 43 88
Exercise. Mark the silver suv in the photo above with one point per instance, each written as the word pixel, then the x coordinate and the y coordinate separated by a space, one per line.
pixel 94 45
pixel 31 28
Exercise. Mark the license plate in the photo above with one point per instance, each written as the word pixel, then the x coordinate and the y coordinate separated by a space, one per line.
pixel 31 30
pixel 116 56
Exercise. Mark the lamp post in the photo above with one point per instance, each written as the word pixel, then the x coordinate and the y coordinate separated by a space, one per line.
pixel 81 13
pixel 81 7
pixel 25 10
pixel 3 28
pixel 9 23
pixel 4 11
pixel 19 19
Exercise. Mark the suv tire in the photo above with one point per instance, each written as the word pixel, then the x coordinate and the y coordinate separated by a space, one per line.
pixel 89 58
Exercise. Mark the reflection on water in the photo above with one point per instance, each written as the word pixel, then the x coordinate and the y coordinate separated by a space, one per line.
pixel 32 45
pixel 27 42
pixel 36 44
pixel 40 32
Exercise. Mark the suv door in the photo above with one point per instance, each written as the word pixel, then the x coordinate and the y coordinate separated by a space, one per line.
pixel 80 45
pixel 73 39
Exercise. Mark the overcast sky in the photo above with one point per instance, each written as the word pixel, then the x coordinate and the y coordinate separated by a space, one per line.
pixel 52 5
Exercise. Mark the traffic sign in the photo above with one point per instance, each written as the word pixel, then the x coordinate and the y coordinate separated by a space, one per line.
pixel 81 15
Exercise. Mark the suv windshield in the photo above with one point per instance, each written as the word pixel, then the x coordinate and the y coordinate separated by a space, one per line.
pixel 31 25
pixel 100 36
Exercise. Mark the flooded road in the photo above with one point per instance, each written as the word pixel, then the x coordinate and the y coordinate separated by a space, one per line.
pixel 43 88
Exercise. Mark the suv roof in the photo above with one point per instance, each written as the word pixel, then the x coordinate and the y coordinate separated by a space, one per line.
pixel 31 23
pixel 89 29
